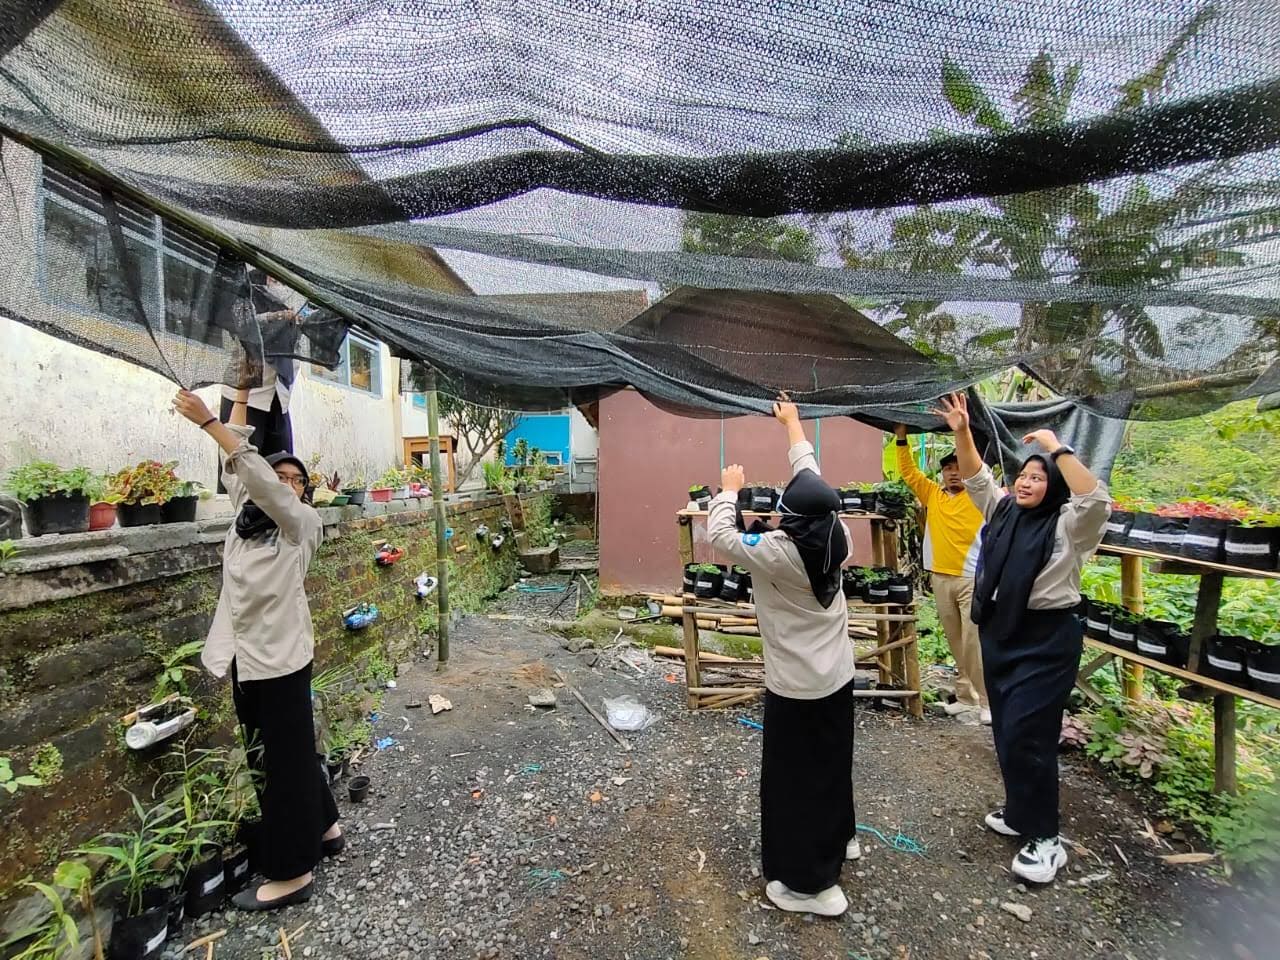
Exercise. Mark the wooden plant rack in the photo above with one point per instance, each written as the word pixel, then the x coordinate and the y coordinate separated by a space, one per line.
pixel 1131 666
pixel 889 628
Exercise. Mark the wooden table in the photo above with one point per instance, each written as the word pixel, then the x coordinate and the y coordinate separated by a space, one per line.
pixel 895 654
pixel 1205 625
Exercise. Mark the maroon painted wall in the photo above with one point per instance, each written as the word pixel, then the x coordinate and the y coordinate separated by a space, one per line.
pixel 649 458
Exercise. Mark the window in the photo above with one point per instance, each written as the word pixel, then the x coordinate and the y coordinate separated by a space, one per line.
pixel 78 269
pixel 359 366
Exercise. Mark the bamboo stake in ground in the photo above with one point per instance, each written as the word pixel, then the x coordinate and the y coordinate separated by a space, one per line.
pixel 205 940
pixel 591 710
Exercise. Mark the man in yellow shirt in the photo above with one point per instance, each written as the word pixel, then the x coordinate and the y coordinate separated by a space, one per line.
pixel 951 547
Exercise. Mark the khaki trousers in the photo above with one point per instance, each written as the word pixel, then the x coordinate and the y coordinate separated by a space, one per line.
pixel 953 596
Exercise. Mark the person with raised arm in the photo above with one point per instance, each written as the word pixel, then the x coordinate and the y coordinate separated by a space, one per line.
pixel 1026 590
pixel 262 634
pixel 807 823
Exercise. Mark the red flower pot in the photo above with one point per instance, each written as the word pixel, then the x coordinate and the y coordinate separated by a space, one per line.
pixel 102 516
pixel 380 494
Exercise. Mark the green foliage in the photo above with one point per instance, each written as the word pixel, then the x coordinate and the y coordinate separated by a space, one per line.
pixel 932 644
pixel 58 936
pixel 136 857
pixel 47 763
pixel 479 426
pixel 520 452
pixel 8 550
pixel 10 783
pixel 173 675
pixel 148 482
pixel 41 478
pixel 759 239
pixel 538 527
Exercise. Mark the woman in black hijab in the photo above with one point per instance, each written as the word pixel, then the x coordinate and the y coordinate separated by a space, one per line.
pixel 807 822
pixel 1027 587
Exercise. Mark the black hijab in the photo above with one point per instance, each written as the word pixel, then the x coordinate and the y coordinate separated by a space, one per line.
pixel 252 521
pixel 811 518
pixel 1016 546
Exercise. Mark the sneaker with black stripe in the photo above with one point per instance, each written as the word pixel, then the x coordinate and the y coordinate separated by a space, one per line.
pixel 995 822
pixel 1040 860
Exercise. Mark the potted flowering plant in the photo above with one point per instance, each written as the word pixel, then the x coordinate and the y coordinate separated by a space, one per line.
pixel 142 490
pixel 53 500
pixel 102 503
pixel 181 507
pixel 1207 525
pixel 355 489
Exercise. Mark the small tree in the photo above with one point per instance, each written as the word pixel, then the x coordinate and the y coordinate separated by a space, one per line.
pixel 480 428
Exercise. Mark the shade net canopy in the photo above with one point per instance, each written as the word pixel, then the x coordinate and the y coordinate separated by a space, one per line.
pixel 864 203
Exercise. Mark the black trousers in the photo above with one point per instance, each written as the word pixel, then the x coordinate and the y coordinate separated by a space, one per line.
pixel 806 789
pixel 272 430
pixel 297 804
pixel 1029 680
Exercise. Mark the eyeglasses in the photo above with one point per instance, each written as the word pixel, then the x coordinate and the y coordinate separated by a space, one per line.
pixel 294 479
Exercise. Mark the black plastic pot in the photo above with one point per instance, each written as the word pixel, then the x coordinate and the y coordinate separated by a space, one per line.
pixel 358 789
pixel 333 767
pixel 701 496
pixel 1225 658
pixel 1167 534
pixel 690 575
pixel 1252 547
pixel 1263 667
pixel 179 510
pixel 707 585
pixel 174 897
pixel 58 514
pixel 355 496
pixel 1142 531
pixel 851 587
pixel 733 586
pixel 1123 634
pixel 876 592
pixel 235 870
pixel 1159 640
pixel 1204 538
pixel 141 937
pixel 1118 524
pixel 891 505
pixel 900 590
pixel 1097 622
pixel 764 499
pixel 205 890
pixel 851 500
pixel 137 514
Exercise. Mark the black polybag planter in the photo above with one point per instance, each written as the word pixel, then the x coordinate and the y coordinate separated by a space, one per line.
pixel 690 575
pixel 850 585
pixel 1163 641
pixel 141 937
pixel 763 499
pixel 701 496
pixel 731 587
pixel 1118 524
pixel 1252 547
pixel 235 870
pixel 707 585
pixel 1204 539
pixel 876 592
pixel 179 510
pixel 900 590
pixel 137 514
pixel 56 514
pixel 851 500
pixel 1167 534
pixel 205 881
pixel 1263 667
pixel 1224 658
pixel 1124 635
pixel 1142 531
pixel 1097 622
pixel 891 505
pixel 175 902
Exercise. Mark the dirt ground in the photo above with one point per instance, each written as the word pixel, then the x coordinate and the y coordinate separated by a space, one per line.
pixel 498 830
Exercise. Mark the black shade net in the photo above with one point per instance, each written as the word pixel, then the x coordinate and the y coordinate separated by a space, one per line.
pixel 864 203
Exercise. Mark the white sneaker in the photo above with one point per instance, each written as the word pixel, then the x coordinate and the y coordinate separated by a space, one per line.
pixel 854 850
pixel 995 822
pixel 831 902
pixel 1040 860
pixel 955 708
pixel 985 716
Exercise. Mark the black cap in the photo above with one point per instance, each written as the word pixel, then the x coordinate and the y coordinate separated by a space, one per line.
pixel 284 456
pixel 948 458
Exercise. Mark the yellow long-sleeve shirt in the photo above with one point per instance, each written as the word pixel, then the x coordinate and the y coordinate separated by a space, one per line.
pixel 952 522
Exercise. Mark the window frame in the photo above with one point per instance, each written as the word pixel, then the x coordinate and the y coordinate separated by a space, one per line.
pixel 340 376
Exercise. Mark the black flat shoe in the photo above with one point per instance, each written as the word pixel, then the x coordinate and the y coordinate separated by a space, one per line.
pixel 331 848
pixel 248 899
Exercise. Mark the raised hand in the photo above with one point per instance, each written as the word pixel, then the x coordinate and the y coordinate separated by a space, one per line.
pixel 732 478
pixel 954 409
pixel 192 407
pixel 1046 438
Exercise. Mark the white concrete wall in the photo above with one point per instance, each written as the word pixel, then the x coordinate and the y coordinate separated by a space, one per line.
pixel 584 440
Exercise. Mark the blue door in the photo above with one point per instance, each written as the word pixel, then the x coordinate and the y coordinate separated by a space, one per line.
pixel 548 432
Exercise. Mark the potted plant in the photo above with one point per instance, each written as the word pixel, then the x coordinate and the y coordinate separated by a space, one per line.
pixel 1097 623
pixel 900 589
pixel 1169 528
pixel 1163 640
pixel 710 577
pixel 53 500
pixel 384 486
pixel 1124 629
pixel 142 490
pixel 181 507
pixel 851 499
pixel 354 489
pixel 1142 528
pixel 690 576
pixel 875 586
pixel 699 494
pixel 893 498
pixel 733 586
pixel 1116 533
pixel 1207 526
pixel 1223 658
pixel 1263 665
pixel 852 581
pixel 1251 542
pixel 102 503
pixel 137 862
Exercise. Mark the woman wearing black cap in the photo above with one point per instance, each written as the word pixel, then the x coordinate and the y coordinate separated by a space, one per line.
pixel 807 822
pixel 262 633
pixel 1027 587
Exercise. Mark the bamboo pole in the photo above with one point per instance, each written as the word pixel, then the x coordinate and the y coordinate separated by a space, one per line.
pixel 437 506
pixel 1131 597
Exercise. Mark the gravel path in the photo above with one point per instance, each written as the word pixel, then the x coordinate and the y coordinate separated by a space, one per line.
pixel 497 831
